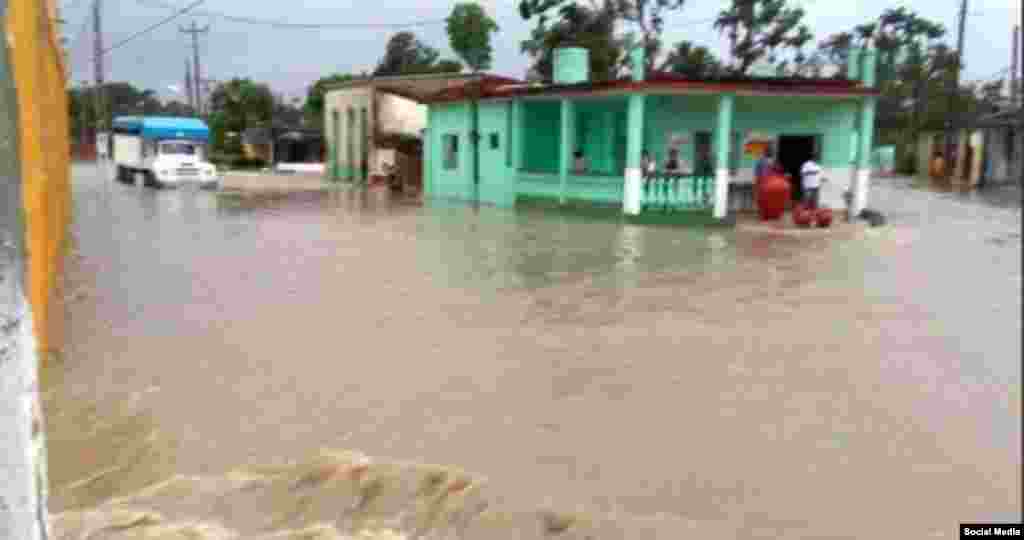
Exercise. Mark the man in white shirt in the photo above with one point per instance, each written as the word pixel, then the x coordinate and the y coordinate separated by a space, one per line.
pixel 810 173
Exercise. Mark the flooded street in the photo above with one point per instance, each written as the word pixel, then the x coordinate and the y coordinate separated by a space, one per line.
pixel 726 384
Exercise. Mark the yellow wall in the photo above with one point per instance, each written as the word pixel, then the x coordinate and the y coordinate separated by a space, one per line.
pixel 39 72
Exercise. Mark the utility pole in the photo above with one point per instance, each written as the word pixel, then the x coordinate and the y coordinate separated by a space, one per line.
pixel 197 74
pixel 954 90
pixel 188 86
pixel 1014 76
pixel 97 28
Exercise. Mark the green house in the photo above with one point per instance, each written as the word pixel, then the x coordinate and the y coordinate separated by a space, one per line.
pixel 500 142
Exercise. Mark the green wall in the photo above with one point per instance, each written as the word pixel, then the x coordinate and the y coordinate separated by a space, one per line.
pixel 833 120
pixel 543 125
pixel 600 131
pixel 449 183
pixel 600 126
pixel 496 183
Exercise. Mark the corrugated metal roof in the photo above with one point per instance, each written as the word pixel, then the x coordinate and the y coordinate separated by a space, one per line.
pixel 492 89
pixel 420 87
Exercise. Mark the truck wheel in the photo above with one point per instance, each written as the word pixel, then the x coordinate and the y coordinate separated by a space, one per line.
pixel 149 179
pixel 121 175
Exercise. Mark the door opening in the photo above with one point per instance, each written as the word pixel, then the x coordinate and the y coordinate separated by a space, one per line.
pixel 794 151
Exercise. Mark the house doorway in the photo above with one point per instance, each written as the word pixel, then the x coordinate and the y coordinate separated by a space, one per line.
pixel 794 151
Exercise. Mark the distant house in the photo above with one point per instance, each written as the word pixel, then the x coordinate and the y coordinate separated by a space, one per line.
pixel 1004 147
pixel 962 162
pixel 375 125
pixel 284 145
pixel 578 140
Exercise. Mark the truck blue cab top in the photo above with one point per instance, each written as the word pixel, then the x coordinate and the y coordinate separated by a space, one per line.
pixel 163 127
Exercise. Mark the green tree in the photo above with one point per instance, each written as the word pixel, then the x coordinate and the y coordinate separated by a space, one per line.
pixel 762 29
pixel 576 26
pixel 595 23
pixel 314 106
pixel 235 106
pixel 691 60
pixel 469 33
pixel 405 54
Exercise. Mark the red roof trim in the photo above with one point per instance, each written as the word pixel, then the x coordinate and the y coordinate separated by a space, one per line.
pixel 825 87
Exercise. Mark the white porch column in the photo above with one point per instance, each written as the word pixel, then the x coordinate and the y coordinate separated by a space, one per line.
pixel 862 184
pixel 633 187
pixel 723 144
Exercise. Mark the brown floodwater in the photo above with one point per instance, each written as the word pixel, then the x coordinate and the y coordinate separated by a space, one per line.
pixel 738 383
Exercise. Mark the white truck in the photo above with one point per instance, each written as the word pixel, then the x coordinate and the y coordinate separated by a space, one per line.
pixel 162 151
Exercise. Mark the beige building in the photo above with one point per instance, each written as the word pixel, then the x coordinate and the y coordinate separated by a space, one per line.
pixel 963 167
pixel 374 124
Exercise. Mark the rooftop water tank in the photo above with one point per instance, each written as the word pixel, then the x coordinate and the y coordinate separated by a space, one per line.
pixel 572 65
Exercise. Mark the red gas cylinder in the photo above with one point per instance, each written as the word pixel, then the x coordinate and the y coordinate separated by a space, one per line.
pixel 823 217
pixel 772 193
pixel 802 217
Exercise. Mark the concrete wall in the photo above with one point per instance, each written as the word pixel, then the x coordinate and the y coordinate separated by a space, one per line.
pixel 443 182
pixel 400 116
pixel 387 114
pixel 343 129
pixel 997 147
pixel 497 183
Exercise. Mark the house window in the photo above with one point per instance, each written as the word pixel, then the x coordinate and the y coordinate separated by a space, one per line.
pixel 494 141
pixel 450 145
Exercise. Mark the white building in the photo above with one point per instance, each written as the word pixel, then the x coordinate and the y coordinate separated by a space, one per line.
pixel 374 123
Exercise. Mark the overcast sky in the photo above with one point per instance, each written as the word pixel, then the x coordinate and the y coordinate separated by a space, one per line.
pixel 290 59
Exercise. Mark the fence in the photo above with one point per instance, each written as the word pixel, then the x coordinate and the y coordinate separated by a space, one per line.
pixel 672 193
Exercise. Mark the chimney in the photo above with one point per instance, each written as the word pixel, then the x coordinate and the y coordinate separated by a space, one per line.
pixel 853 64
pixel 572 65
pixel 638 63
pixel 867 75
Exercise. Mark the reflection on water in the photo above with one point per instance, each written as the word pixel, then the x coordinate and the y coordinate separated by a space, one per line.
pixel 656 382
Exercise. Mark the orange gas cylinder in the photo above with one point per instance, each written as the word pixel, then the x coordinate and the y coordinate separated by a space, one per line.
pixel 802 217
pixel 772 193
pixel 823 217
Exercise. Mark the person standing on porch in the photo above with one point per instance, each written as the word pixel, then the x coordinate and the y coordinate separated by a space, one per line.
pixel 764 166
pixel 672 164
pixel 810 174
pixel 579 162
pixel 704 167
pixel 646 164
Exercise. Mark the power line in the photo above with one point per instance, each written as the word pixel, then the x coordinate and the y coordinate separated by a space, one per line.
pixel 297 26
pixel 71 5
pixel 152 27
pixel 80 32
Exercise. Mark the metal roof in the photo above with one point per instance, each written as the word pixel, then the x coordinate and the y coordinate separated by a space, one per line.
pixel 663 82
pixel 1000 119
pixel 163 127
pixel 419 87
